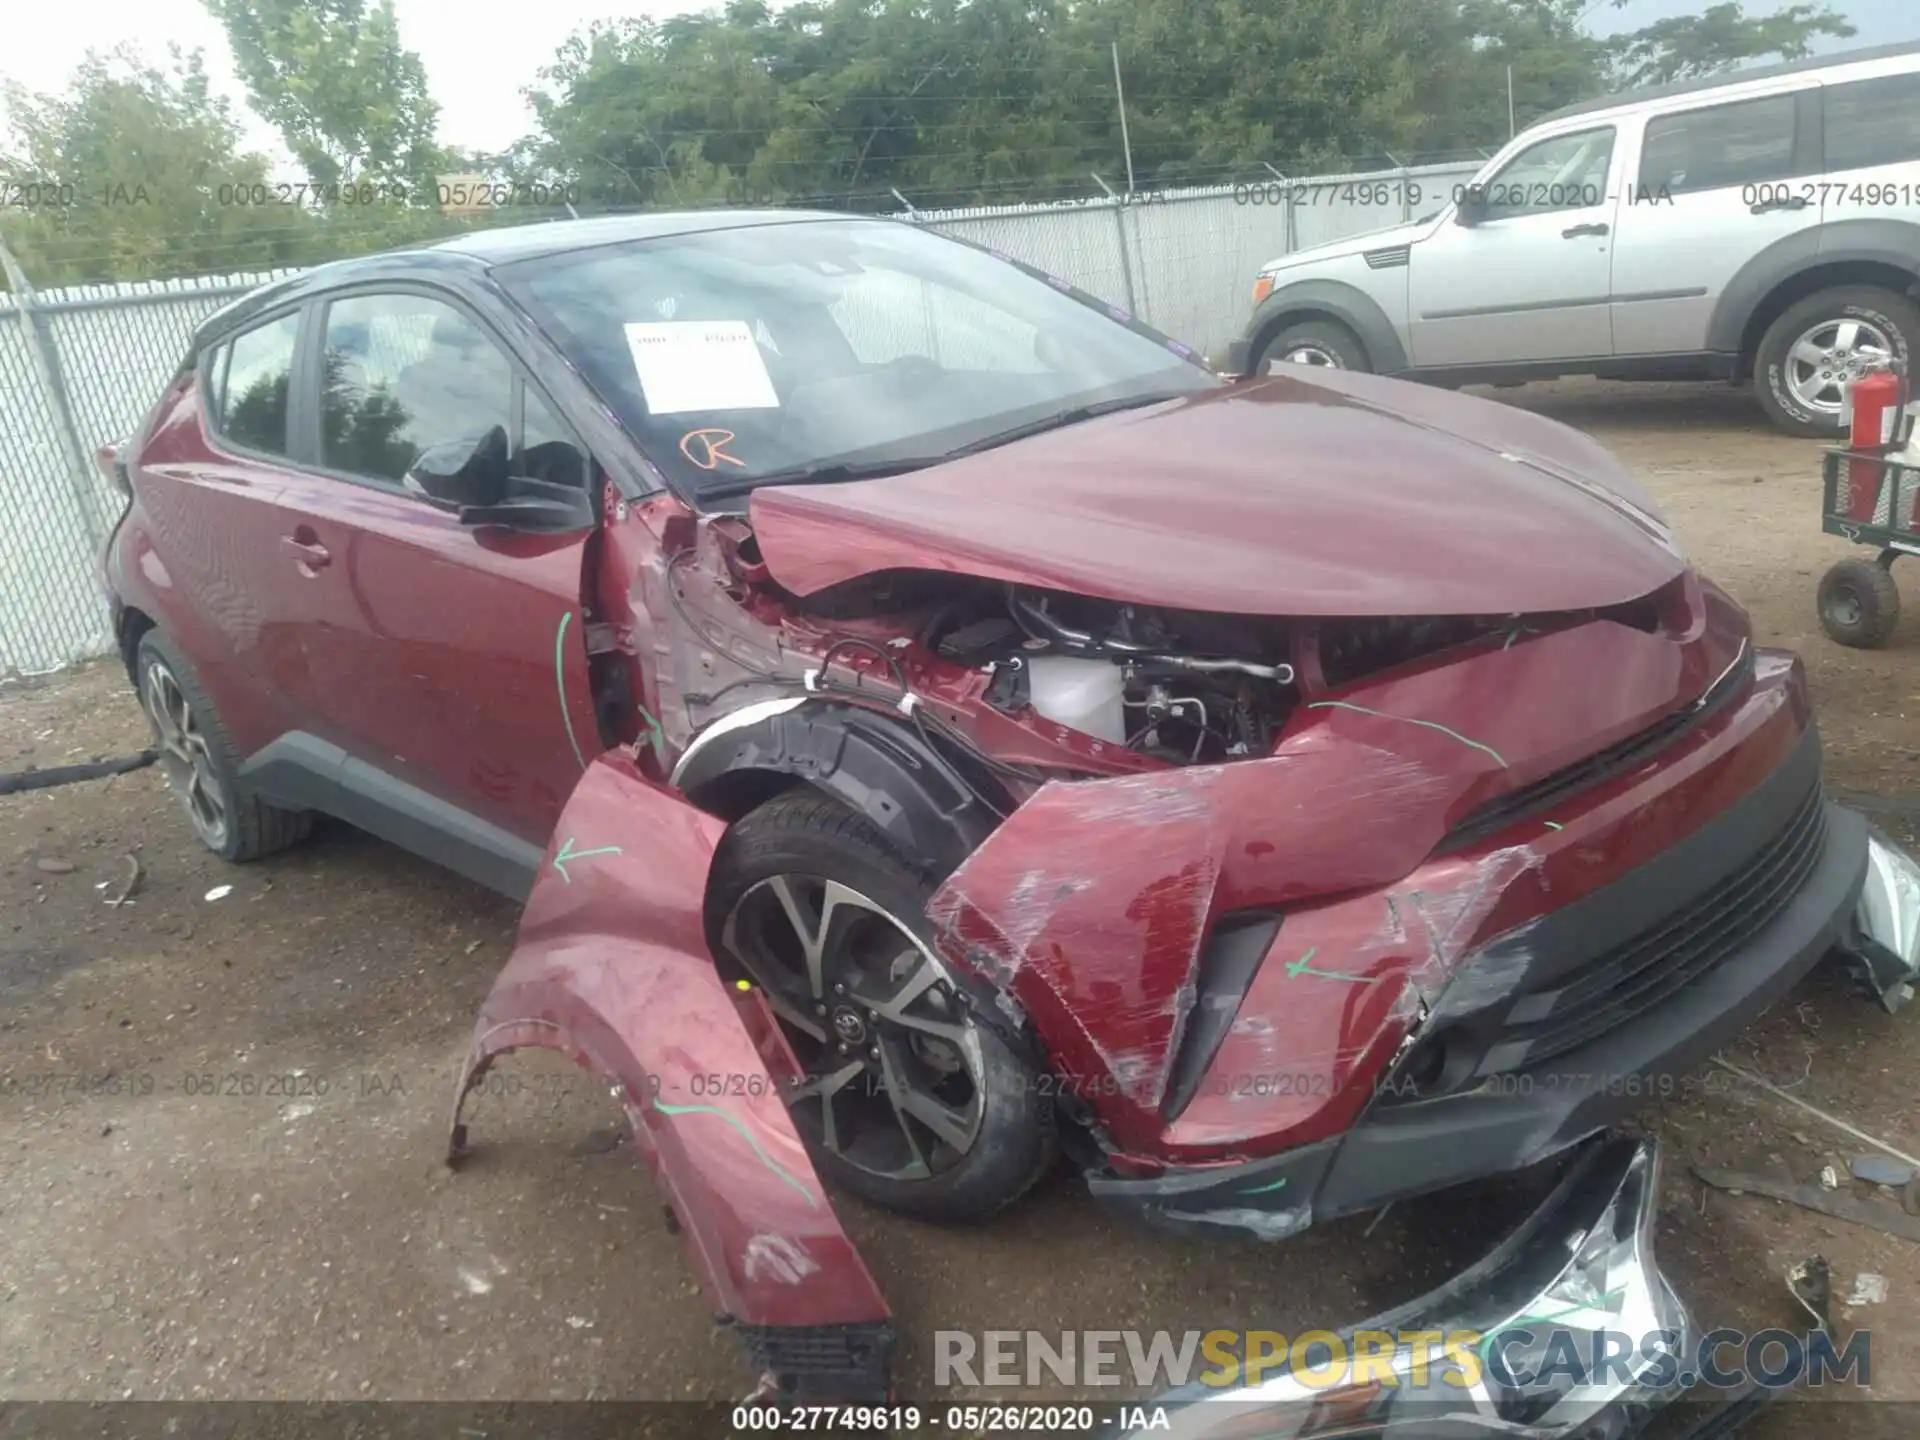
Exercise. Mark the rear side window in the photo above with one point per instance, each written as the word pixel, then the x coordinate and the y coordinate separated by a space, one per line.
pixel 252 374
pixel 1872 122
pixel 1719 146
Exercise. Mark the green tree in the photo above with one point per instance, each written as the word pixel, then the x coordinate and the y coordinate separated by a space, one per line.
pixel 350 101
pixel 1719 38
pixel 137 171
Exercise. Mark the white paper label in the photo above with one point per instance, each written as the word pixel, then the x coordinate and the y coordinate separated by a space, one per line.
pixel 699 365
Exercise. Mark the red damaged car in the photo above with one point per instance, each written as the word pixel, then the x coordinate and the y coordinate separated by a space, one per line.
pixel 939 725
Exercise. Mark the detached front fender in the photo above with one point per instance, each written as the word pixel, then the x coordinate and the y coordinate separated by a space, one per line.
pixel 611 969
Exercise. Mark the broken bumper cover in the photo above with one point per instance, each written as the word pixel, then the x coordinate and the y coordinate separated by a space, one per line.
pixel 1496 1108
pixel 1883 942
pixel 1582 1264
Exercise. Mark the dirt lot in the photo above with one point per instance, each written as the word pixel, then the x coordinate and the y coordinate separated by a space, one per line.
pixel 271 1219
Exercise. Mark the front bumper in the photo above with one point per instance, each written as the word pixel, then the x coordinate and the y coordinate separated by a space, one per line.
pixel 1498 1077
pixel 1584 1259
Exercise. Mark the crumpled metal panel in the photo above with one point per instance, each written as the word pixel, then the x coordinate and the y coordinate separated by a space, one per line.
pixel 1091 903
pixel 612 969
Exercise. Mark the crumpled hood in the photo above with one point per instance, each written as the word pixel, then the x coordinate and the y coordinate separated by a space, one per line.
pixel 1322 493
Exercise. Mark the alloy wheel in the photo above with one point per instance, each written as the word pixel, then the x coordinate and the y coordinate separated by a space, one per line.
pixel 892 1063
pixel 186 758
pixel 1308 353
pixel 1829 355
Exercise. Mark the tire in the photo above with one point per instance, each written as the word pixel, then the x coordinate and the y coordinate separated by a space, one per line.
pixel 1784 380
pixel 803 841
pixel 1339 346
pixel 1859 604
pixel 202 764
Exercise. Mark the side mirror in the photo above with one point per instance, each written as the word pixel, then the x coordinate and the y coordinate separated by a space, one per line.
pixel 1471 208
pixel 462 474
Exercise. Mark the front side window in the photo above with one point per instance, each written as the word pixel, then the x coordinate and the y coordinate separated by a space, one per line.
pixel 764 352
pixel 1718 146
pixel 1872 122
pixel 252 377
pixel 1563 172
pixel 403 373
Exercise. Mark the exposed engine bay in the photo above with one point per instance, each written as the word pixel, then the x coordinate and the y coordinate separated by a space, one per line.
pixel 1109 685
pixel 1178 687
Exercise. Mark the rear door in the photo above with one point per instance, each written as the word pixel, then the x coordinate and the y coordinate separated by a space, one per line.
pixel 210 475
pixel 1714 184
pixel 450 661
pixel 1528 282
pixel 1871 160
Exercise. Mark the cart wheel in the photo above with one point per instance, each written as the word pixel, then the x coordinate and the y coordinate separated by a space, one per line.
pixel 1859 604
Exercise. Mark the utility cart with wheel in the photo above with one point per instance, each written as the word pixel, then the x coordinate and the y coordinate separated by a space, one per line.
pixel 1868 499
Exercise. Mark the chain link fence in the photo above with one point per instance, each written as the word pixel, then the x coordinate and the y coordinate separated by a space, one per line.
pixel 80 367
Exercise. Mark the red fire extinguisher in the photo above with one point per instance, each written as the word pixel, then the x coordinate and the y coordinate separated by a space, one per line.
pixel 1872 408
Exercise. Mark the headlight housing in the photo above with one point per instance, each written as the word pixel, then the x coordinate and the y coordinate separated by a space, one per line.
pixel 1885 943
pixel 1581 1266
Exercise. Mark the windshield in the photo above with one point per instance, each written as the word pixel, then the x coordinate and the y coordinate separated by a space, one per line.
pixel 822 350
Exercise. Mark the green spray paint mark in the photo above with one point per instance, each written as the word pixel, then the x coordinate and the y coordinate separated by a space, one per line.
pixel 765 1159
pixel 566 852
pixel 1523 1322
pixel 1551 826
pixel 1279 1184
pixel 659 735
pixel 1301 967
pixel 560 683
pixel 1408 720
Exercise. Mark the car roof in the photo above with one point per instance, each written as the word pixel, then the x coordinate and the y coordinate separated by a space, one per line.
pixel 1627 99
pixel 481 250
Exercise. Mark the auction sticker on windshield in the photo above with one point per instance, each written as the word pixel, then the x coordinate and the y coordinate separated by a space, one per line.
pixel 699 365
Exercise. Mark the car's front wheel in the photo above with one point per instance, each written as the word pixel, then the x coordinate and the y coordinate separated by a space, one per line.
pixel 1819 345
pixel 908 1100
pixel 1323 343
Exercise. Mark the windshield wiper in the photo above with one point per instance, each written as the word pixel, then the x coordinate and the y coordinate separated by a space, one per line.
pixel 1063 418
pixel 824 472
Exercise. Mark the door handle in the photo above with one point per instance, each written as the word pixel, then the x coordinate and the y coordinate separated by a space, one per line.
pixel 1793 202
pixel 1578 230
pixel 311 554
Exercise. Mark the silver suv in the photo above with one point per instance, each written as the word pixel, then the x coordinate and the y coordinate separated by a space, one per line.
pixel 1761 227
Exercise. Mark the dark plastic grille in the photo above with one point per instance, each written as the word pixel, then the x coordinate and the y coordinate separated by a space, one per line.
pixel 1653 966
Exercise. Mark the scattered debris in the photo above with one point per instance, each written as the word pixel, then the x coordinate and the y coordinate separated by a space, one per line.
pixel 1815 1111
pixel 54 867
pixel 1838 1203
pixel 131 884
pixel 1811 1283
pixel 219 892
pixel 474 945
pixel 580 1322
pixel 1878 1170
pixel 1868 1289
pixel 1829 1178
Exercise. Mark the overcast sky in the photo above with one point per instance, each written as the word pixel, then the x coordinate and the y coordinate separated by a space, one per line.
pixel 478 60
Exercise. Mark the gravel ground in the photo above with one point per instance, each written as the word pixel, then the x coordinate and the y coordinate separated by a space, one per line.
pixel 268 1216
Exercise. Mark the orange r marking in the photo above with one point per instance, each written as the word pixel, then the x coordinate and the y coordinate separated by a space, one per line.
pixel 710 444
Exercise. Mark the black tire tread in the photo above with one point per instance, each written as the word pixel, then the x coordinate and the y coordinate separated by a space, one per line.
pixel 1880 603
